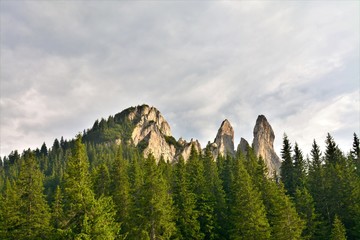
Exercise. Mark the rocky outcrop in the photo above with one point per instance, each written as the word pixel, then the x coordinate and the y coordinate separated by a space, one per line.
pixel 224 141
pixel 263 144
pixel 242 147
pixel 151 131
pixel 186 148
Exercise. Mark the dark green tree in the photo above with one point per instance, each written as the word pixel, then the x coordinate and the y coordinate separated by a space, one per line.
pixel 120 190
pixel 248 216
pixel 10 217
pixel 287 167
pixel 306 209
pixel 101 180
pixel 153 207
pixel 187 224
pixel 34 211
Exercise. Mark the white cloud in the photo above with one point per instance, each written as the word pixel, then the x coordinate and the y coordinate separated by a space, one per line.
pixel 65 64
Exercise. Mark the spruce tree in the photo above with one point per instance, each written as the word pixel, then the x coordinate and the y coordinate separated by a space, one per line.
pixel 287 167
pixel 153 207
pixel 85 216
pixel 284 221
pixel 306 209
pixel 299 169
pixel 10 217
pixel 120 191
pixel 187 224
pixel 338 231
pixel 34 211
pixel 215 194
pixel 248 216
pixel 101 180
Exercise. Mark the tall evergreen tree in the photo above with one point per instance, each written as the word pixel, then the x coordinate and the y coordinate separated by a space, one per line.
pixel 101 180
pixel 10 217
pixel 299 170
pixel 121 191
pixel 248 216
pixel 355 153
pixel 184 202
pixel 287 167
pixel 34 211
pixel 306 209
pixel 338 231
pixel 85 216
pixel 215 194
pixel 284 221
pixel 153 206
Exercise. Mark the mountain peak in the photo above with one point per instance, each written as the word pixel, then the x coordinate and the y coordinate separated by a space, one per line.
pixel 263 144
pixel 224 140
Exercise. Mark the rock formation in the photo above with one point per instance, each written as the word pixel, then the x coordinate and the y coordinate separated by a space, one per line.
pixel 263 144
pixel 242 147
pixel 151 131
pixel 224 141
pixel 186 148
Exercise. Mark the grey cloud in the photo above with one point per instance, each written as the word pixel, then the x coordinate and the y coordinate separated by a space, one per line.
pixel 198 62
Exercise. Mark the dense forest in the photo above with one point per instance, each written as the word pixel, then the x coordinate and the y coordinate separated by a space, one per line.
pixel 90 189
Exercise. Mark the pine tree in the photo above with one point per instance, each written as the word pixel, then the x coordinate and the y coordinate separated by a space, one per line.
pixel 306 209
pixel 355 153
pixel 287 167
pixel 35 215
pixel 338 231
pixel 85 216
pixel 10 217
pixel 299 170
pixel 153 206
pixel 248 216
pixel 101 180
pixel 215 194
pixel 282 216
pixel 121 191
pixel 184 202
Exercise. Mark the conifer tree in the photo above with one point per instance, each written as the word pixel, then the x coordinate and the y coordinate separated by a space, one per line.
pixel 184 202
pixel 299 169
pixel 306 209
pixel 248 216
pixel 153 206
pixel 355 153
pixel 121 191
pixel 284 221
pixel 287 167
pixel 10 217
pixel 204 206
pixel 338 231
pixel 85 216
pixel 215 194
pixel 101 180
pixel 34 211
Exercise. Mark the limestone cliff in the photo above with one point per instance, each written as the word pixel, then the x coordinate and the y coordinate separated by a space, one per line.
pixel 224 141
pixel 263 144
pixel 151 131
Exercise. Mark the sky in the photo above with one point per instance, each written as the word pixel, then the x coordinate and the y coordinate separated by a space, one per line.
pixel 64 64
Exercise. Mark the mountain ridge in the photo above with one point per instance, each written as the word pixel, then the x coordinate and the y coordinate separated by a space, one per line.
pixel 147 129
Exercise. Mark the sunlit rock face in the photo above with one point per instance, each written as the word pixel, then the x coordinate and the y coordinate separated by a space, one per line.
pixel 223 144
pixel 263 144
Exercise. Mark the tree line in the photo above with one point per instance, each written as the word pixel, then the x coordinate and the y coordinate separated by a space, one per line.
pixel 84 190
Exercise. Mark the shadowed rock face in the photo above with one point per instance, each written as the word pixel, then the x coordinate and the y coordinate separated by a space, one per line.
pixel 263 144
pixel 242 147
pixel 224 141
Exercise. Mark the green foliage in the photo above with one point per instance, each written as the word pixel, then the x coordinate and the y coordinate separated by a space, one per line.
pixel 92 188
pixel 247 211
pixel 338 230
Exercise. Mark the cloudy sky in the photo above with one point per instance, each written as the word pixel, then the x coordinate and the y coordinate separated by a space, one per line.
pixel 65 64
